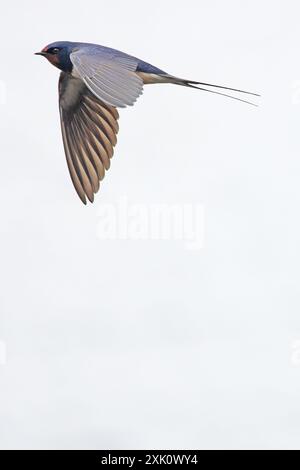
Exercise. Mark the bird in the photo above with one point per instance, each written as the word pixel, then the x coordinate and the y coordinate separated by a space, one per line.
pixel 94 82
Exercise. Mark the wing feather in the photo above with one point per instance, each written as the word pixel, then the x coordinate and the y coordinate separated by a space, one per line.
pixel 92 155
pixel 113 79
pixel 104 112
pixel 96 118
pixel 84 158
pixel 73 172
pixel 89 128
pixel 80 168
pixel 97 132
pixel 98 153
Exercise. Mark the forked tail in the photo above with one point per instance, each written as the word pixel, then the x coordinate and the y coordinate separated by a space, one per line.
pixel 192 84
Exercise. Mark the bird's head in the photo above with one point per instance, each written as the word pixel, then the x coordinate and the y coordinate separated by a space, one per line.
pixel 58 54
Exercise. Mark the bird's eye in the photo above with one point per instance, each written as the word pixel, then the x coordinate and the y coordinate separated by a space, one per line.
pixel 53 50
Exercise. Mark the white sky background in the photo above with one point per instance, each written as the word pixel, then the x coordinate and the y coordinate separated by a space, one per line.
pixel 144 344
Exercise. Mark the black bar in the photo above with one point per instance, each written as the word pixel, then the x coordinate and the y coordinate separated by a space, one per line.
pixel 138 458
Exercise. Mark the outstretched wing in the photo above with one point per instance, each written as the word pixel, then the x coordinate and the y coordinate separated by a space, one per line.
pixel 89 129
pixel 110 77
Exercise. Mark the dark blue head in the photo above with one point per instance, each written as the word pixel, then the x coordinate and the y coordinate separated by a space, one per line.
pixel 58 54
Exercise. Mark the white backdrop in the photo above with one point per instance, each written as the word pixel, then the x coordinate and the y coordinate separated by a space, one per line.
pixel 146 344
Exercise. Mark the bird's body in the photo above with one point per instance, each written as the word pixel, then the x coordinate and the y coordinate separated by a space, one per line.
pixel 98 50
pixel 96 80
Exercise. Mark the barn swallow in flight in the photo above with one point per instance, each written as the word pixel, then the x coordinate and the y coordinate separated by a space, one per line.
pixel 94 82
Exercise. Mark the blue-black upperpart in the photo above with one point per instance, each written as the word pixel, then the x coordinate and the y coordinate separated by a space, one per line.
pixel 58 53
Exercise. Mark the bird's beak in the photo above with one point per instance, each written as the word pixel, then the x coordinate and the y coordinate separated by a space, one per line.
pixel 41 53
